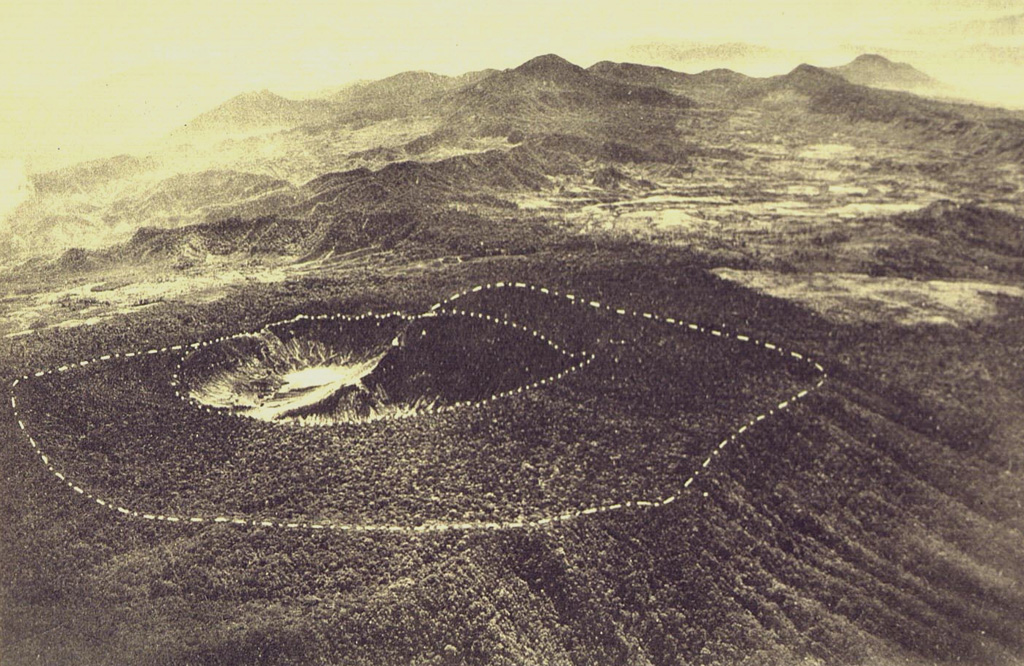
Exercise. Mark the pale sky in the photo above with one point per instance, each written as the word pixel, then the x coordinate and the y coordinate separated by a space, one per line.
pixel 85 79
pixel 56 43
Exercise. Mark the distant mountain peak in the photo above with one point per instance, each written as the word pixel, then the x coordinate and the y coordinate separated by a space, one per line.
pixel 808 79
pixel 873 58
pixel 255 95
pixel 550 66
pixel 402 92
pixel 417 75
pixel 871 69
pixel 809 70
pixel 260 108
pixel 606 66
pixel 805 73
pixel 723 73
pixel 546 60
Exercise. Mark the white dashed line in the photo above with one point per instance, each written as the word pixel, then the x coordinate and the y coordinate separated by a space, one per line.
pixel 432 311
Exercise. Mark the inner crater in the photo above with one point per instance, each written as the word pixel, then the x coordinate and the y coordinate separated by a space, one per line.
pixel 350 370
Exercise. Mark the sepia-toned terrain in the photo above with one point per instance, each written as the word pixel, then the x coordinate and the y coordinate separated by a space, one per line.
pixel 850 215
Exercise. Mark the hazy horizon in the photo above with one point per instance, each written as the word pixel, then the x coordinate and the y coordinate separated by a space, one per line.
pixel 87 80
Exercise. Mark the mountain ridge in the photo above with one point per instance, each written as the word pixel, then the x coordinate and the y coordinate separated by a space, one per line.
pixel 261 109
pixel 561 113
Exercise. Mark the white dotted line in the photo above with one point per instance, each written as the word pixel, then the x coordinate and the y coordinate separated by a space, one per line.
pixel 436 526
